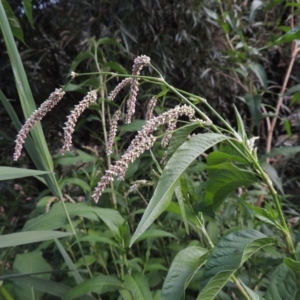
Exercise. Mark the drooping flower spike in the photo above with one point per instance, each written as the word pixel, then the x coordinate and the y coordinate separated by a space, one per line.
pixel 37 116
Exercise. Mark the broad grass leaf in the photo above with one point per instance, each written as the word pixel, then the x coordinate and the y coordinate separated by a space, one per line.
pixel 227 257
pixel 36 147
pixel 138 286
pixel 185 264
pixel 56 217
pixel 47 286
pixel 283 284
pixel 7 173
pixel 175 167
pixel 28 237
pixel 30 262
pixel 292 264
pixel 99 284
pixel 69 262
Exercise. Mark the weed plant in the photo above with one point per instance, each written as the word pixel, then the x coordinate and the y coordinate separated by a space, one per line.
pixel 200 236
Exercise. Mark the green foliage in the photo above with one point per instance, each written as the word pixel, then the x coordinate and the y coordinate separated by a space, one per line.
pixel 172 226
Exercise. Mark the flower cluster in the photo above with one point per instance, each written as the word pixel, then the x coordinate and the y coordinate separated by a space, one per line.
pixel 150 108
pixel 139 63
pixel 118 88
pixel 113 131
pixel 37 116
pixel 69 128
pixel 143 141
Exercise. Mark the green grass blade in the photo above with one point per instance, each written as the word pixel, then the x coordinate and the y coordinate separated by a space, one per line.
pixel 7 173
pixel 26 99
pixel 28 237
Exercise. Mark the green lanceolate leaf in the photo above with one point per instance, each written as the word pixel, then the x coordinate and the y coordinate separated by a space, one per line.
pixel 283 284
pixel 292 264
pixel 272 172
pixel 180 199
pixel 138 286
pixel 286 151
pixel 69 262
pixel 100 284
pixel 241 127
pixel 255 6
pixel 260 73
pixel 7 173
pixel 56 217
pixel 28 11
pixel 175 167
pixel 223 182
pixel 262 214
pixel 155 233
pixel 216 158
pixel 227 257
pixel 22 238
pixel 185 264
pixel 254 105
pixel 13 22
pixel 293 34
pixel 179 137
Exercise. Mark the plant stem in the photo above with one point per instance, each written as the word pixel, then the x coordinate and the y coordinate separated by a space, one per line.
pixel 274 195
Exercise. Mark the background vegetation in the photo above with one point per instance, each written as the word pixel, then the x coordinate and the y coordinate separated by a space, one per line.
pixel 242 53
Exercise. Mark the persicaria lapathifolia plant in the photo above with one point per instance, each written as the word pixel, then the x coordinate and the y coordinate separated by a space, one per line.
pixel 235 165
